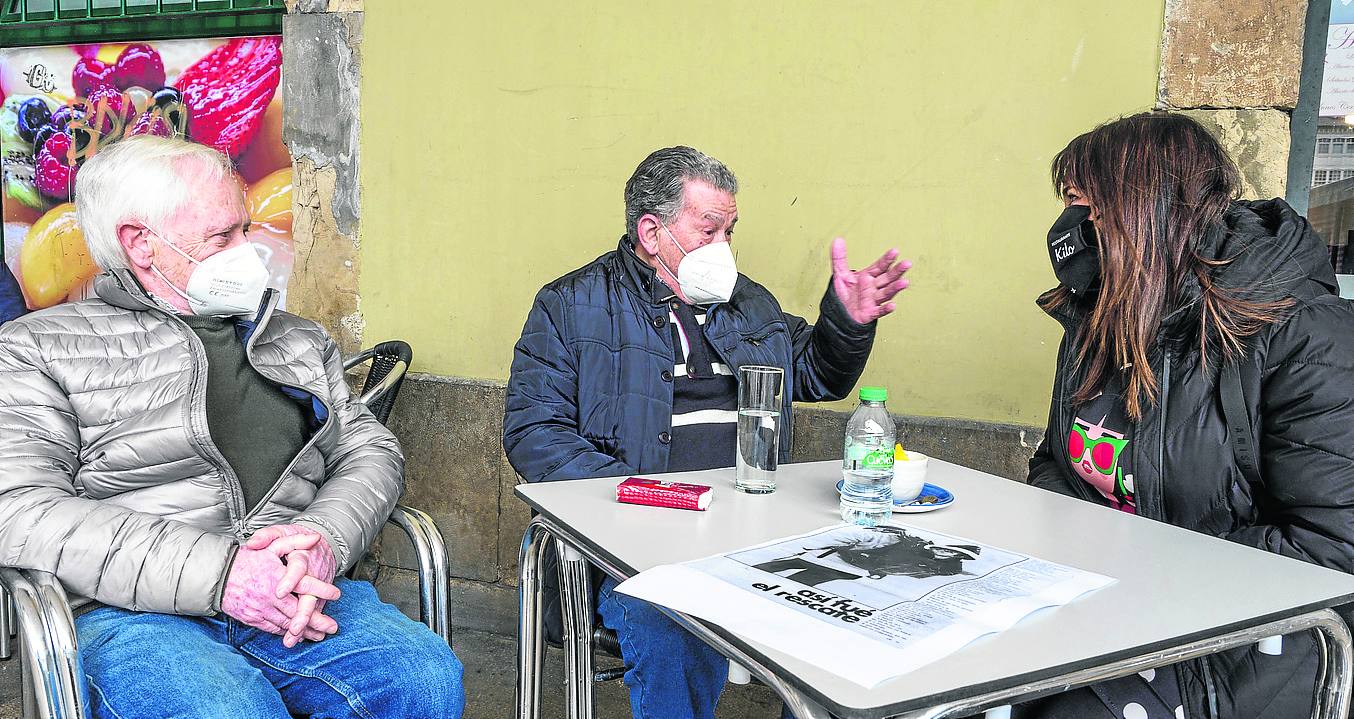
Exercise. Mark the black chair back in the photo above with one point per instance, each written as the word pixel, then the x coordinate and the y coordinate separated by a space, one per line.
pixel 389 363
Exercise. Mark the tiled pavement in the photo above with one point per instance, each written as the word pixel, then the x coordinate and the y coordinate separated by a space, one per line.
pixel 490 660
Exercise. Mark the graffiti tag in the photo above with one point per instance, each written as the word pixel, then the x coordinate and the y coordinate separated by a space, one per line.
pixel 100 123
pixel 40 78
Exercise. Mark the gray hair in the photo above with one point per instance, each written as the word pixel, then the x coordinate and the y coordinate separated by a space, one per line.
pixel 138 178
pixel 657 187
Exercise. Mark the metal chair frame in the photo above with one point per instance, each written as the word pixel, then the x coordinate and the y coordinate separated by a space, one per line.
pixel 389 362
pixel 34 605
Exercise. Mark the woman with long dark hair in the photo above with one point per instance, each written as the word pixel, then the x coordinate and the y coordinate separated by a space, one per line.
pixel 1191 318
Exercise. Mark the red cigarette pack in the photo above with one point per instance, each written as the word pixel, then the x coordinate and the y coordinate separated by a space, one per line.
pixel 639 490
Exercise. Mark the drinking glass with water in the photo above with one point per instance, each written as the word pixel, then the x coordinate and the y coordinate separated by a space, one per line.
pixel 867 461
pixel 759 398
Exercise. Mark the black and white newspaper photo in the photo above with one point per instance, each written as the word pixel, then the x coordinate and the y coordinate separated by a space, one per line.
pixel 902 595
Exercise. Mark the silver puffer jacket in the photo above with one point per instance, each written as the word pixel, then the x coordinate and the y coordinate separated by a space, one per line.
pixel 110 480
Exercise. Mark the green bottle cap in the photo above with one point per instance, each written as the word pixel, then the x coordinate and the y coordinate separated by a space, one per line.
pixel 873 394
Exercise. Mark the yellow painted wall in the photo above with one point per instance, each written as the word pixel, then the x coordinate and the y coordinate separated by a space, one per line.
pixel 497 137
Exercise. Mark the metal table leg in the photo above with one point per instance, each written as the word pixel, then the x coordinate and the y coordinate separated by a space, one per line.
pixel 576 605
pixel 1333 696
pixel 799 705
pixel 530 632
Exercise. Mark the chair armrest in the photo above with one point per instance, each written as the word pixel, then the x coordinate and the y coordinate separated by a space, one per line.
pixel 379 390
pixel 50 654
pixel 359 358
pixel 433 576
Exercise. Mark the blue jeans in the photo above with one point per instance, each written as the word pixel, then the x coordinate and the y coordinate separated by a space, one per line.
pixel 380 664
pixel 671 673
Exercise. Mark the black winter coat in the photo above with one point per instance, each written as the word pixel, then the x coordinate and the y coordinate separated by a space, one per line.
pixel 1298 381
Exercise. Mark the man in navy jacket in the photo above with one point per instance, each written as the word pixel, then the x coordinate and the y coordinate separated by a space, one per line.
pixel 11 297
pixel 629 364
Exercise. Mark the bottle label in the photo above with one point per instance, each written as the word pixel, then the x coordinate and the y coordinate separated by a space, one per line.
pixel 878 459
pixel 863 456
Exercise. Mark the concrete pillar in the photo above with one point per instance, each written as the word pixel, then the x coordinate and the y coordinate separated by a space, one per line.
pixel 321 82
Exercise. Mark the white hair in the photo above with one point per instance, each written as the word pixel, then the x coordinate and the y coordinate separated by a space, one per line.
pixel 137 178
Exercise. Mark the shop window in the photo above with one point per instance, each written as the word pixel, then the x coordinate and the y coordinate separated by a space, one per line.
pixel 1323 133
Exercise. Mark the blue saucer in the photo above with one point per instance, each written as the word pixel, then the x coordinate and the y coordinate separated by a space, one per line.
pixel 931 498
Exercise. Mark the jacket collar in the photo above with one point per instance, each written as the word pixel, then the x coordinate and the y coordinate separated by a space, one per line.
pixel 118 287
pixel 639 276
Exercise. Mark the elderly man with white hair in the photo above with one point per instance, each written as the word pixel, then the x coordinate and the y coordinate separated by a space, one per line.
pixel 189 463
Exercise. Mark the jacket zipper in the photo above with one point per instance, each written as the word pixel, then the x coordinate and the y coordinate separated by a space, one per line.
pixel 786 428
pixel 264 316
pixel 1056 445
pixel 201 434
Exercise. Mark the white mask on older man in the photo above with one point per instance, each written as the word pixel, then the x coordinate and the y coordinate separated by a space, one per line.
pixel 230 282
pixel 706 274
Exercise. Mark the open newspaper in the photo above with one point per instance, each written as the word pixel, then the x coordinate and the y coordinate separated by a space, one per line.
pixel 865 603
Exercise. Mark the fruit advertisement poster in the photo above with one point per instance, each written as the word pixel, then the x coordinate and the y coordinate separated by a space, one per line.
pixel 60 105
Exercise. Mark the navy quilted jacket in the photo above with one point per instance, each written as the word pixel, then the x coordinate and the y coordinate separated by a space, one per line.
pixel 590 393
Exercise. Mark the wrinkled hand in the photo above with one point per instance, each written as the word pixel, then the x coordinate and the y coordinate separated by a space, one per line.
pixel 308 558
pixel 251 597
pixel 866 293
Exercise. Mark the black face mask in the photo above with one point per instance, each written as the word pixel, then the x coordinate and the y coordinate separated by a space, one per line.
pixel 1074 250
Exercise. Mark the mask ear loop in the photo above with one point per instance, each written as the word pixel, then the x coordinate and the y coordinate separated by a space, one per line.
pixel 191 302
pixel 679 249
pixel 173 247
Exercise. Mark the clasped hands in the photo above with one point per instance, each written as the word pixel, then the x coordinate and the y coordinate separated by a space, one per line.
pixel 280 581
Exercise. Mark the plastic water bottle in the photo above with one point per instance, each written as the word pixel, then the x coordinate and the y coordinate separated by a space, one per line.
pixel 867 462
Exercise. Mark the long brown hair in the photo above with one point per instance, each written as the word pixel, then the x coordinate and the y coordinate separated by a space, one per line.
pixel 1157 184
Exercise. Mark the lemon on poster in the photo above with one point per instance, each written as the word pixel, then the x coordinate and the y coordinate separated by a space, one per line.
pixel 268 201
pixel 54 258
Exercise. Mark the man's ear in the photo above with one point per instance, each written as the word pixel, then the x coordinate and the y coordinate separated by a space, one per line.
pixel 649 233
pixel 135 241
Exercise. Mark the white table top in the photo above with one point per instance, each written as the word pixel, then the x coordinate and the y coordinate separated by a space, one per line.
pixel 1173 585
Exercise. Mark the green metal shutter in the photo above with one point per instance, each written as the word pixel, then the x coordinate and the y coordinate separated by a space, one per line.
pixel 27 23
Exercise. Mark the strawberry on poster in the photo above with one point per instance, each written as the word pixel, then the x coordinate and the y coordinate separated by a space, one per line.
pixel 59 105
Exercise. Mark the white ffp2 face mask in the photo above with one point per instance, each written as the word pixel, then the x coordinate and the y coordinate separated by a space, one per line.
pixel 230 282
pixel 706 274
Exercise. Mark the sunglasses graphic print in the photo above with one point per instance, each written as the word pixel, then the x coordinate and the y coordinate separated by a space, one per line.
pixel 1097 461
pixel 1105 451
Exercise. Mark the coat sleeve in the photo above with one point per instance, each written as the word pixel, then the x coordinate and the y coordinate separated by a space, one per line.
pixel 1046 469
pixel 540 420
pixel 1306 410
pixel 97 549
pixel 364 475
pixel 829 356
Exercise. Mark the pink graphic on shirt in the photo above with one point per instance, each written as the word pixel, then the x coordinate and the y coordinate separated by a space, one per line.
pixel 1095 452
